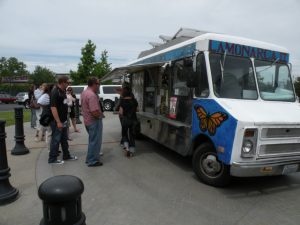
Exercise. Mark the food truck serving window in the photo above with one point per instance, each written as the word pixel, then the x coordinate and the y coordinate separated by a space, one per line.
pixel 274 81
pixel 232 77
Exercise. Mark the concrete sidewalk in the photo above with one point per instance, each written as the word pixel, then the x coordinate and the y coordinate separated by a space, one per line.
pixel 30 170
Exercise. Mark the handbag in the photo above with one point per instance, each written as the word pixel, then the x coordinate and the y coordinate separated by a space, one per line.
pixel 46 116
pixel 34 104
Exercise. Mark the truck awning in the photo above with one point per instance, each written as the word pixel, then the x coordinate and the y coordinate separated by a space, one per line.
pixel 121 71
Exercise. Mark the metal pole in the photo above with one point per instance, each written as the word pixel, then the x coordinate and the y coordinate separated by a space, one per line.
pixel 20 148
pixel 77 112
pixel 61 196
pixel 7 192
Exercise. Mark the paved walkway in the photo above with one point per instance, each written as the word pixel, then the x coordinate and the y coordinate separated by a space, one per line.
pixel 30 170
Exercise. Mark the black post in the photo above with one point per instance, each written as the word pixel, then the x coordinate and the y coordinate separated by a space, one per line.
pixel 61 196
pixel 77 112
pixel 7 192
pixel 20 148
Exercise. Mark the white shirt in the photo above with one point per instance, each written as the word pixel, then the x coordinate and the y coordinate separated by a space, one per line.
pixel 44 100
pixel 38 93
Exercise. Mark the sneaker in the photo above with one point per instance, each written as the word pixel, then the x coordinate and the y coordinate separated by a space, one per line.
pixel 59 162
pixel 96 164
pixel 71 158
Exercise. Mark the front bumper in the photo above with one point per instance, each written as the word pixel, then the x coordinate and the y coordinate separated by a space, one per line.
pixel 265 168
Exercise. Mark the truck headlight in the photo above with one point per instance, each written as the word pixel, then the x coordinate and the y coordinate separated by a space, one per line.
pixel 249 143
pixel 247 146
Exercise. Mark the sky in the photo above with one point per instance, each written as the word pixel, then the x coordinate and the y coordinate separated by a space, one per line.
pixel 51 33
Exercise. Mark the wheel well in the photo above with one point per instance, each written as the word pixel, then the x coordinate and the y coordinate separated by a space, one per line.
pixel 200 139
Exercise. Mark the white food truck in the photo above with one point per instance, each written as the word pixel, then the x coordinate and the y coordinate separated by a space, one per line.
pixel 227 101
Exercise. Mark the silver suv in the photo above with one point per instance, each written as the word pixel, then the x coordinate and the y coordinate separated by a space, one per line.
pixel 23 99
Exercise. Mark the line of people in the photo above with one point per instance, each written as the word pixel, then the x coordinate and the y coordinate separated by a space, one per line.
pixel 53 106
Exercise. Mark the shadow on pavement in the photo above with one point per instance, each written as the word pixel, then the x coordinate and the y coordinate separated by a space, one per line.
pixel 239 187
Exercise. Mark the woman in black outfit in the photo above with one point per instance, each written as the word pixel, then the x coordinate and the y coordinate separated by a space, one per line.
pixel 127 112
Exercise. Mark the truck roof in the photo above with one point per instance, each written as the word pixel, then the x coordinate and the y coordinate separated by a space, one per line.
pixel 186 37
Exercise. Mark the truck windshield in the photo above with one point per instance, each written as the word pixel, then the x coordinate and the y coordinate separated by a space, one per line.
pixel 274 81
pixel 233 77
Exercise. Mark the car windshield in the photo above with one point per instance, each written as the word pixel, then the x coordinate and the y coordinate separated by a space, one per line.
pixel 274 81
pixel 233 77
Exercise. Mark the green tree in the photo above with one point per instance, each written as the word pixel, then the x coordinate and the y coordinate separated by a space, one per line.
pixel 87 64
pixel 42 75
pixel 12 67
pixel 102 67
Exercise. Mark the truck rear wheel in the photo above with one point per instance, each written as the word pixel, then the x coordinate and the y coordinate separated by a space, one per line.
pixel 208 168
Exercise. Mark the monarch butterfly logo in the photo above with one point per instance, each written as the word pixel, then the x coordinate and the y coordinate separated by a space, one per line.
pixel 209 122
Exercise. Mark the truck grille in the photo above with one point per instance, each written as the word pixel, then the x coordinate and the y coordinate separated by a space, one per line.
pixel 277 150
pixel 280 133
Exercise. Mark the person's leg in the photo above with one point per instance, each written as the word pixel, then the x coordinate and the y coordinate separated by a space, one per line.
pixel 122 141
pixel 33 118
pixel 125 137
pixel 64 143
pixel 55 140
pixel 93 146
pixel 100 138
pixel 41 133
pixel 74 125
pixel 131 139
pixel 38 113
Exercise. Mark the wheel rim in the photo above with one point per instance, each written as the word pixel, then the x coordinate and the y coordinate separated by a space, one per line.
pixel 107 106
pixel 210 165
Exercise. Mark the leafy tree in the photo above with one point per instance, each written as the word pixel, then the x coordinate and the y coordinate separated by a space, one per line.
pixel 102 67
pixel 12 67
pixel 42 75
pixel 88 65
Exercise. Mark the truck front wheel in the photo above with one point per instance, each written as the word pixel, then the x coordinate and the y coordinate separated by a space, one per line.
pixel 208 168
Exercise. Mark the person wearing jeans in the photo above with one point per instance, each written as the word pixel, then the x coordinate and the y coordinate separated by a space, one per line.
pixel 95 141
pixel 92 115
pixel 59 109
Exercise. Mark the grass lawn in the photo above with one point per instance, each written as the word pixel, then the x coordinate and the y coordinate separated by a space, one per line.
pixel 10 117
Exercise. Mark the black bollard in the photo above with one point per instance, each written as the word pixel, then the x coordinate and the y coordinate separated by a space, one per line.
pixel 61 196
pixel 77 112
pixel 20 148
pixel 7 192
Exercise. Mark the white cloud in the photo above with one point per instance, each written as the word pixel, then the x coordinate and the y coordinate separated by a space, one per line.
pixel 52 32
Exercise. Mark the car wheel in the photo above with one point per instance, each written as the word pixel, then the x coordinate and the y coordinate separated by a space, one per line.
pixel 108 105
pixel 26 104
pixel 208 168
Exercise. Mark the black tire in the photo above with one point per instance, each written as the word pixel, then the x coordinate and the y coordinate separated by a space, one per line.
pixel 108 105
pixel 208 168
pixel 26 104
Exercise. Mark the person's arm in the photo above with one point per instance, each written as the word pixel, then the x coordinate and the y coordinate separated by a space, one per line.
pixel 94 107
pixel 53 104
pixel 121 111
pixel 56 117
